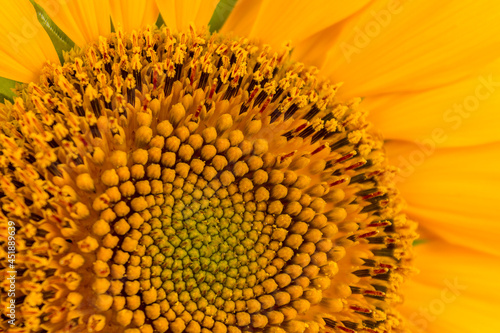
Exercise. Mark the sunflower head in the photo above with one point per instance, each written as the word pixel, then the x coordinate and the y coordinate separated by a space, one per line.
pixel 191 182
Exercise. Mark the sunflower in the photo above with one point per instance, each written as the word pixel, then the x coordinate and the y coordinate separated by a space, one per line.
pixel 158 176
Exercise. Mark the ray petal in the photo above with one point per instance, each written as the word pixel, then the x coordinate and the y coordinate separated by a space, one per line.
pixel 25 44
pixel 293 20
pixel 82 20
pixel 454 292
pixel 130 14
pixel 405 46
pixel 453 192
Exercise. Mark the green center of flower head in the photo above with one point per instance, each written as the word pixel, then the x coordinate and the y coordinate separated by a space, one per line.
pixel 197 183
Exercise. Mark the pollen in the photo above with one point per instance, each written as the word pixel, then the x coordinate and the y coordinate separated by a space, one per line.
pixel 190 182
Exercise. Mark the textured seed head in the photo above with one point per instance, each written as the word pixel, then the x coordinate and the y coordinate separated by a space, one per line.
pixel 192 183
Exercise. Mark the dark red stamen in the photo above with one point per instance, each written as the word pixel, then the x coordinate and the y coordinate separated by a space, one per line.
pixel 368 234
pixel 373 195
pixel 346 157
pixel 356 165
pixel 340 181
pixel 320 148
pixel 379 224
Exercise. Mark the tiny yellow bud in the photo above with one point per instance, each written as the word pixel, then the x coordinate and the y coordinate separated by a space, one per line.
pixel 144 119
pixel 85 182
pixel 153 171
pixel 124 317
pixel 182 133
pixel 133 272
pixel 236 137
pixel 121 208
pixel 336 215
pixel 140 156
pixel 113 194
pixel 98 156
pixel 164 128
pixel 100 285
pixel 224 122
pixel 118 158
pixel 243 318
pixel 177 112
pixel 209 134
pixel 118 302
pixel 101 269
pixel 104 254
pixel 245 185
pixel 208 152
pixel 108 215
pixel 110 241
pixel 88 244
pixel 129 244
pixel 143 135
pixel 260 147
pixel 139 204
pixel 275 317
pixel 104 302
pixel 117 271
pixel 149 296
pixel 123 173
pixel 110 178
pixel 127 189
pixel 267 301
pixel 101 203
pixel 195 141
pixel 153 311
pixel 161 325
pixel 233 154
pixel 259 321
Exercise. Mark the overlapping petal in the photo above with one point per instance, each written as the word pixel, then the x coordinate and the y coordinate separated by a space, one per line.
pixel 452 192
pixel 82 20
pixel 131 14
pixel 466 112
pixel 25 46
pixel 293 20
pixel 408 46
pixel 179 14
pixel 455 291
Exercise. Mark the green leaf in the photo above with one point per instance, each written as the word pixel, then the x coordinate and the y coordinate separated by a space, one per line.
pixel 6 87
pixel 221 13
pixel 160 21
pixel 419 242
pixel 60 40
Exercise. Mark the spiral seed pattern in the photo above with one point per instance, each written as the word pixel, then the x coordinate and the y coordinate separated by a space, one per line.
pixel 196 183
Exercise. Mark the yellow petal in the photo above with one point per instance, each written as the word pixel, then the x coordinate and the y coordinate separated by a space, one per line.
pixel 452 192
pixel 179 14
pixel 456 291
pixel 466 112
pixel 417 45
pixel 25 46
pixel 132 15
pixel 276 22
pixel 311 51
pixel 82 20
pixel 242 18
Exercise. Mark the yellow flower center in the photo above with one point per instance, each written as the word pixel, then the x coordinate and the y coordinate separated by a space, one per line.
pixel 196 183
